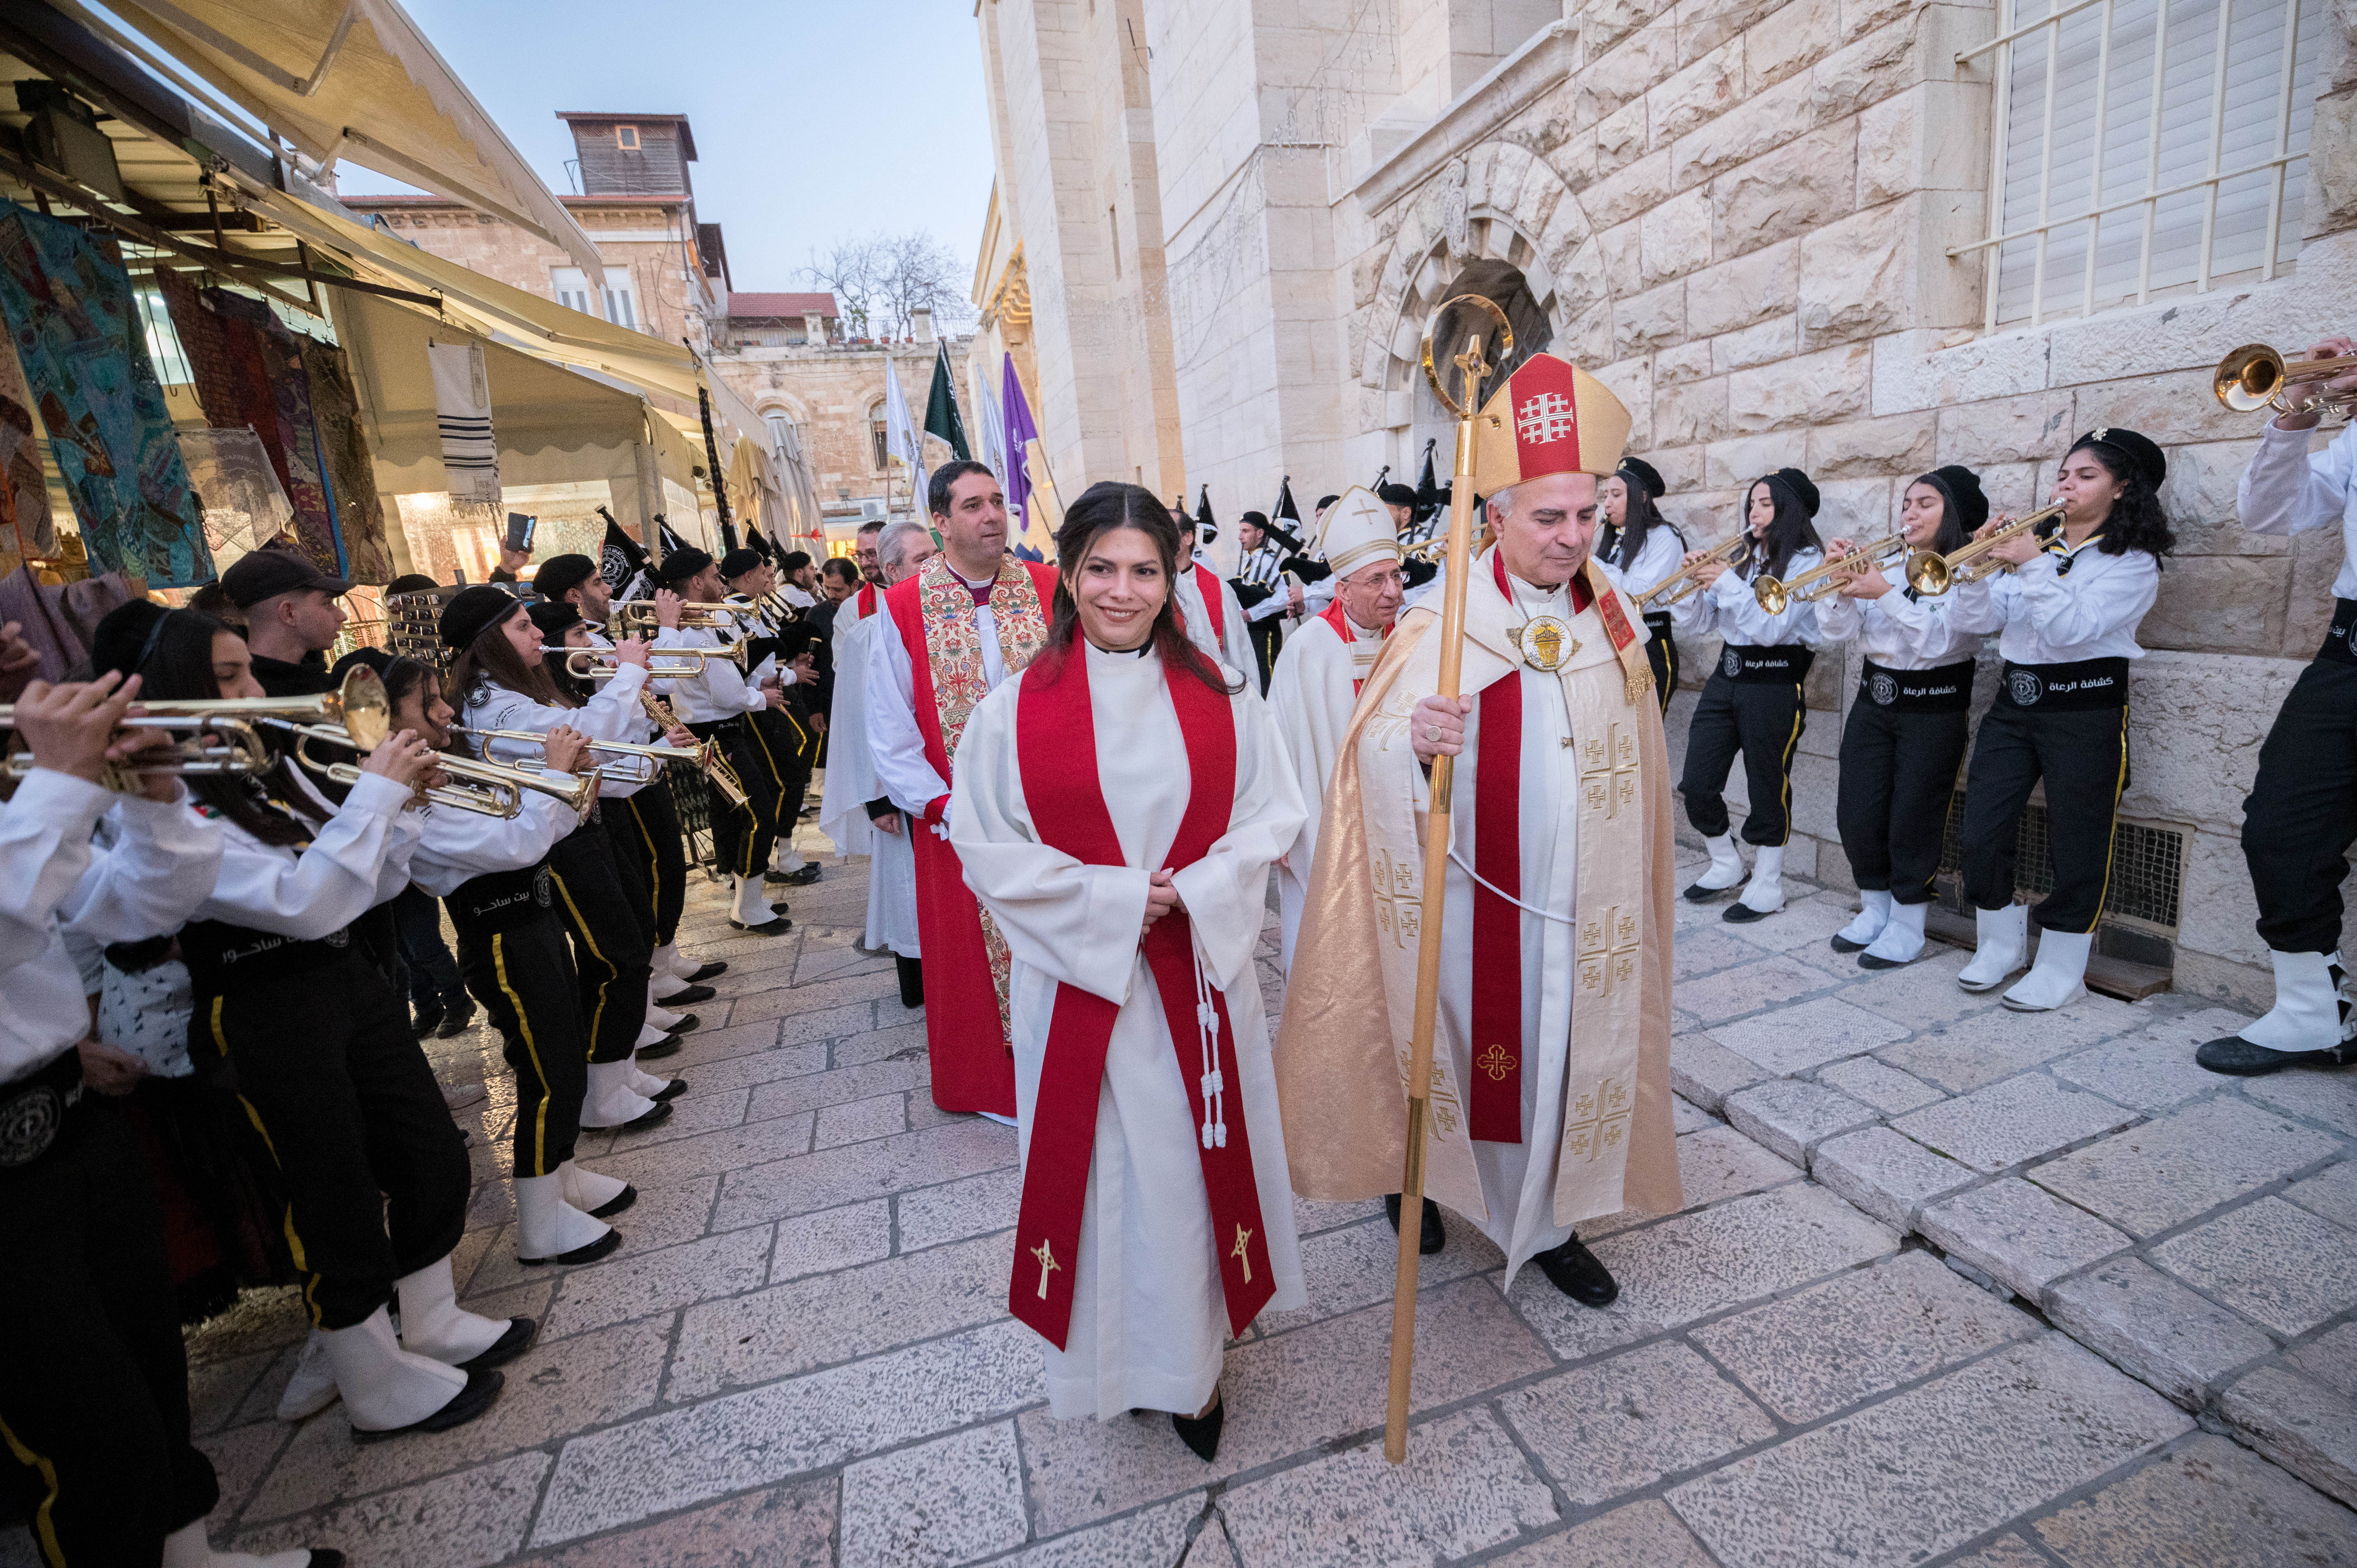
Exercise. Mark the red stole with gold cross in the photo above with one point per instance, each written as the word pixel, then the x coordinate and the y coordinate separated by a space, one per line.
pixel 1055 743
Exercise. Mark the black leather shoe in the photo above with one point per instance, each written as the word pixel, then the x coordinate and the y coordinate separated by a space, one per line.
pixel 455 1025
pixel 425 1021
pixel 604 1246
pixel 1742 914
pixel 809 874
pixel 666 1046
pixel 1431 1238
pixel 2237 1057
pixel 712 971
pixel 778 876
pixel 656 1117
pixel 1843 944
pixel 513 1343
pixel 687 1021
pixel 1698 894
pixel 616 1204
pixel 686 996
pixel 777 928
pixel 1575 1271
pixel 464 1405
pixel 1202 1432
pixel 667 1092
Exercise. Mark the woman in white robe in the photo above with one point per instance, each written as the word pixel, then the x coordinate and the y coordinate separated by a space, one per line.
pixel 1155 1287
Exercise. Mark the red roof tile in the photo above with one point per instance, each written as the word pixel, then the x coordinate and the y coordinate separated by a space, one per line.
pixel 785 305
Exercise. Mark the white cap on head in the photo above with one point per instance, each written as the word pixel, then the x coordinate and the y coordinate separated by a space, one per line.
pixel 1357 529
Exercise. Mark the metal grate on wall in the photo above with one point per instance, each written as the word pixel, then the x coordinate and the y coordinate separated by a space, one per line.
pixel 2148 867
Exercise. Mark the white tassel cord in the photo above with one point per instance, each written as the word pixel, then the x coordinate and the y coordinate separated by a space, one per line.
pixel 1458 860
pixel 1207 1030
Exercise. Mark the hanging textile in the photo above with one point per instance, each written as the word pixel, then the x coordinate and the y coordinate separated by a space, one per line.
pixel 276 396
pixel 84 354
pixel 344 457
pixel 462 401
pixel 26 528
pixel 206 348
pixel 233 477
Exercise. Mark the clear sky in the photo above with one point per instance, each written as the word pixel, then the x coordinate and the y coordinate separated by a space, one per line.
pixel 815 120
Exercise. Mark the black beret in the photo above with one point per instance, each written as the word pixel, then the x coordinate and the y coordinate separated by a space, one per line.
pixel 1645 474
pixel 1260 518
pixel 1798 486
pixel 736 562
pixel 1397 494
pixel 376 659
pixel 1323 503
pixel 795 561
pixel 473 610
pixel 2142 455
pixel 553 615
pixel 125 636
pixel 412 583
pixel 1961 487
pixel 681 564
pixel 560 575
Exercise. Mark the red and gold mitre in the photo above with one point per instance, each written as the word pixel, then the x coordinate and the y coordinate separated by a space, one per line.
pixel 1551 417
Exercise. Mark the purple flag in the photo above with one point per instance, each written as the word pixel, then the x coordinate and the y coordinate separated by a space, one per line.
pixel 1016 476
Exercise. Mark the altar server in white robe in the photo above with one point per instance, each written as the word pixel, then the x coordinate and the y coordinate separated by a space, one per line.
pixel 1213 616
pixel 1116 809
pixel 854 808
pixel 1550 1104
pixel 1323 665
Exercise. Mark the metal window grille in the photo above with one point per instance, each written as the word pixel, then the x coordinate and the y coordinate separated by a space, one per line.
pixel 2148 867
pixel 2196 176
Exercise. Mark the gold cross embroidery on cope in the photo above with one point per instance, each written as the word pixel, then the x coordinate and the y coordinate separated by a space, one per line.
pixel 1399 905
pixel 1608 951
pixel 1599 1121
pixel 1047 1262
pixel 1607 773
pixel 1241 1253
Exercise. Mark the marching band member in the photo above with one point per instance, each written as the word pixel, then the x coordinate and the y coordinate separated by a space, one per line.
pixel 1637 548
pixel 375 1172
pixel 787 741
pixel 2302 813
pixel 1268 596
pixel 1752 702
pixel 1909 726
pixel 1116 806
pixel 500 682
pixel 2069 608
pixel 1214 619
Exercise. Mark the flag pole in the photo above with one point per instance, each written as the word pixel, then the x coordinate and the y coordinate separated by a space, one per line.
pixel 1471 371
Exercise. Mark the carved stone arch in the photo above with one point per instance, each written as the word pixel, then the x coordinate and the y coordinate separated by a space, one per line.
pixel 776 399
pixel 1498 216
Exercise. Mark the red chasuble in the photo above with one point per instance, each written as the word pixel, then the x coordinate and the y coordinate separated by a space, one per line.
pixel 1495 1094
pixel 1055 743
pixel 966 976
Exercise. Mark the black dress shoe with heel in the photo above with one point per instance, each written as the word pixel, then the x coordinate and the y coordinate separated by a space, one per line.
pixel 1575 1271
pixel 1202 1432
pixel 1430 1238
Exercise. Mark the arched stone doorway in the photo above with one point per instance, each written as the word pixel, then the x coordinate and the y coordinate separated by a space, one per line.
pixel 1505 286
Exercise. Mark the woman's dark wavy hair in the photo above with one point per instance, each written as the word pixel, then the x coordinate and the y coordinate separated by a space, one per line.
pixel 1953 535
pixel 1645 516
pixel 2136 521
pixel 491 661
pixel 1101 507
pixel 180 670
pixel 1789 533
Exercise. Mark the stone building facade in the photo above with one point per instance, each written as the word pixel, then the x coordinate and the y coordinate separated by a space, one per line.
pixel 1756 220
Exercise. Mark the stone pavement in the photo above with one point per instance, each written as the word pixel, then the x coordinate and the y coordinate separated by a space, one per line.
pixel 1921 1246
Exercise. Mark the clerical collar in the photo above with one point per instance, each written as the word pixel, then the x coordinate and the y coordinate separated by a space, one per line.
pixel 1141 650
pixel 981 591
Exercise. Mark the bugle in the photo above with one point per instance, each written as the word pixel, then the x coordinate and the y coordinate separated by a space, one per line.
pixel 1931 573
pixel 638 615
pixel 1825 577
pixel 357 708
pixel 705 755
pixel 717 770
pixel 1687 581
pixel 685 663
pixel 2255 378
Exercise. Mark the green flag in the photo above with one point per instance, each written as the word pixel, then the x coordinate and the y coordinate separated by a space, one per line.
pixel 942 411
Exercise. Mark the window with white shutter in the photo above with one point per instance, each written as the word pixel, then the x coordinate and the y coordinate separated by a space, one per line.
pixel 2196 176
pixel 616 300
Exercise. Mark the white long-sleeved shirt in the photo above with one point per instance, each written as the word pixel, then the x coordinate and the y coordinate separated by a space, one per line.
pixel 721 692
pixel 53 880
pixel 459 845
pixel 2287 490
pixel 1920 633
pixel 358 858
pixel 2054 616
pixel 1729 609
pixel 612 713
pixel 1662 551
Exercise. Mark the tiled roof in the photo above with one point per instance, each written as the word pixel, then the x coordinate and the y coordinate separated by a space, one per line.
pixel 785 305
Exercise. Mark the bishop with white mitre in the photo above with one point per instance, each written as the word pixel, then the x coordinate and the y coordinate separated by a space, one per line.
pixel 1550 1094
pixel 1319 674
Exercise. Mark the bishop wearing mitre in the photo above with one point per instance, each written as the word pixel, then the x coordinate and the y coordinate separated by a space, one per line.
pixel 1550 1093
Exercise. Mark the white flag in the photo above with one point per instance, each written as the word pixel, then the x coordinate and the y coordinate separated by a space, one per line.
pixel 903 439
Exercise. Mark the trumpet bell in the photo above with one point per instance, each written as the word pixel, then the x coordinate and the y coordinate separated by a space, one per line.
pixel 1774 597
pixel 361 706
pixel 2249 378
pixel 1928 573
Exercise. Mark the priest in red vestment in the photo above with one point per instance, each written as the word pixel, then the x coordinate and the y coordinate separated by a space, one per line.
pixel 970 618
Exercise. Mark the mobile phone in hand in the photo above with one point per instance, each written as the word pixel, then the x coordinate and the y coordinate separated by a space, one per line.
pixel 520 528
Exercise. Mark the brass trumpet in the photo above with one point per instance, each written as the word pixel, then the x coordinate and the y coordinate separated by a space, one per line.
pixel 358 710
pixel 638 615
pixel 704 756
pixel 1685 582
pixel 717 770
pixel 581 663
pixel 1933 574
pixel 485 786
pixel 1821 580
pixel 2254 377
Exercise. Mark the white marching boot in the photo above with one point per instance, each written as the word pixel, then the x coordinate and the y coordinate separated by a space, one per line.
pixel 434 1324
pixel 1899 942
pixel 660 1019
pixel 312 1388
pixel 751 910
pixel 2307 1013
pixel 649 1036
pixel 1724 871
pixel 599 1196
pixel 1764 894
pixel 551 1230
pixel 666 961
pixel 188 1548
pixel 387 1388
pixel 2059 977
pixel 2004 945
pixel 1874 907
pixel 646 1083
pixel 611 1103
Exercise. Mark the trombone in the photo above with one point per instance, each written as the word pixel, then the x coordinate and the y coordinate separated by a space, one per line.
pixel 358 713
pixel 1933 574
pixel 638 615
pixel 1685 582
pixel 581 663
pixel 1825 578
pixel 2255 378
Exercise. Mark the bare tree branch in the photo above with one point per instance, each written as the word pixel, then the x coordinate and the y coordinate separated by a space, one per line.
pixel 880 281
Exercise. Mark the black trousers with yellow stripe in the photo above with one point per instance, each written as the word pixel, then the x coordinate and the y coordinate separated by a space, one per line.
pixel 94 1403
pixel 1762 719
pixel 787 747
pixel 375 1170
pixel 741 837
pixel 612 951
pixel 644 829
pixel 2083 758
pixel 520 970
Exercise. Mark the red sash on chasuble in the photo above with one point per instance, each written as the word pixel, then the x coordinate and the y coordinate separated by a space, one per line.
pixel 1055 743
pixel 1495 1098
pixel 1349 632
pixel 863 602
pixel 966 1034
